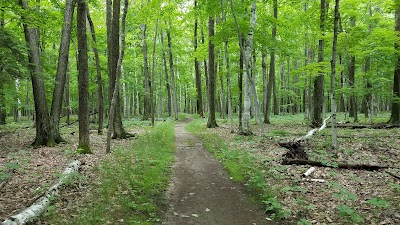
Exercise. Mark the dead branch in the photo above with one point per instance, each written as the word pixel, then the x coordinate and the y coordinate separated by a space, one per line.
pixel 338 165
pixel 393 175
pixel 373 126
pixel 40 205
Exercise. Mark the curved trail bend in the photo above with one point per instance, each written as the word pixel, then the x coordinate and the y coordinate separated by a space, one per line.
pixel 201 192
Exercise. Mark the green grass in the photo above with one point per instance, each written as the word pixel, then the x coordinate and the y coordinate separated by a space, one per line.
pixel 132 182
pixel 242 167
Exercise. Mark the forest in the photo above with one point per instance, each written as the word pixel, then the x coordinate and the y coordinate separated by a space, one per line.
pixel 102 102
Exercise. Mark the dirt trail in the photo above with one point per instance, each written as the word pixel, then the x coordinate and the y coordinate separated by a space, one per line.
pixel 201 192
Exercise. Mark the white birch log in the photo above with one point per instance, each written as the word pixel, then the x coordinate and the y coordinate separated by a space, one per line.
pixel 41 204
pixel 309 172
pixel 313 131
pixel 314 180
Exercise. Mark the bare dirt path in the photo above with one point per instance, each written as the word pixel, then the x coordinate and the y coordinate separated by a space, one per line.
pixel 201 192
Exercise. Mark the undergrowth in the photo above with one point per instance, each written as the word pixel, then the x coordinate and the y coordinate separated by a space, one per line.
pixel 131 183
pixel 242 167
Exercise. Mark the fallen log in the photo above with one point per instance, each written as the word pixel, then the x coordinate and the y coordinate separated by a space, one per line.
pixel 296 150
pixel 338 165
pixel 41 204
pixel 365 126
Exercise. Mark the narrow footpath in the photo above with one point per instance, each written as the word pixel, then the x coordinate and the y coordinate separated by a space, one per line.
pixel 201 192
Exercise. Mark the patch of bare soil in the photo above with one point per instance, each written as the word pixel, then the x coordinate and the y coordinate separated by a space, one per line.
pixel 36 169
pixel 346 196
pixel 201 191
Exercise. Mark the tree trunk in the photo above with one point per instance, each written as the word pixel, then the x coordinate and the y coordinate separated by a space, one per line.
pixel 199 91
pixel 42 118
pixel 211 123
pixel 61 71
pixel 100 100
pixel 3 113
pixel 146 75
pixel 153 74
pixel 240 87
pixel 265 81
pixel 318 97
pixel 333 74
pixel 167 81
pixel 271 79
pixel 171 67
pixel 114 106
pixel 228 73
pixel 83 79
pixel 248 81
pixel 395 112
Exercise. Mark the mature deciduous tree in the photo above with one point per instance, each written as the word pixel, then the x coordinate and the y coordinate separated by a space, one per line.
pixel 395 113
pixel 318 98
pixel 83 78
pixel 114 107
pixel 100 99
pixel 333 73
pixel 211 122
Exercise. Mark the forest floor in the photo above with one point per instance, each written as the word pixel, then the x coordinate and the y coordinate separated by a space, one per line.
pixel 26 173
pixel 346 196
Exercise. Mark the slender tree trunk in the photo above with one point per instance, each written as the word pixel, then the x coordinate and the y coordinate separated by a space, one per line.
pixel 146 75
pixel 171 66
pixel 318 97
pixel 199 91
pixel 3 113
pixel 272 74
pixel 167 81
pixel 61 72
pixel 211 123
pixel 265 82
pixel 67 97
pixel 395 111
pixel 83 79
pixel 100 99
pixel 205 73
pixel 240 87
pixel 153 74
pixel 114 106
pixel 333 74
pixel 228 73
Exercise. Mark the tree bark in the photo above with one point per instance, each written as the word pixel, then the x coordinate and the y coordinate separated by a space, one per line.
pixel 114 106
pixel 61 71
pixel 42 118
pixel 333 74
pixel 153 74
pixel 318 97
pixel 199 101
pixel 271 79
pixel 100 99
pixel 248 79
pixel 83 79
pixel 146 74
pixel 171 67
pixel 228 72
pixel 395 111
pixel 167 81
pixel 211 123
